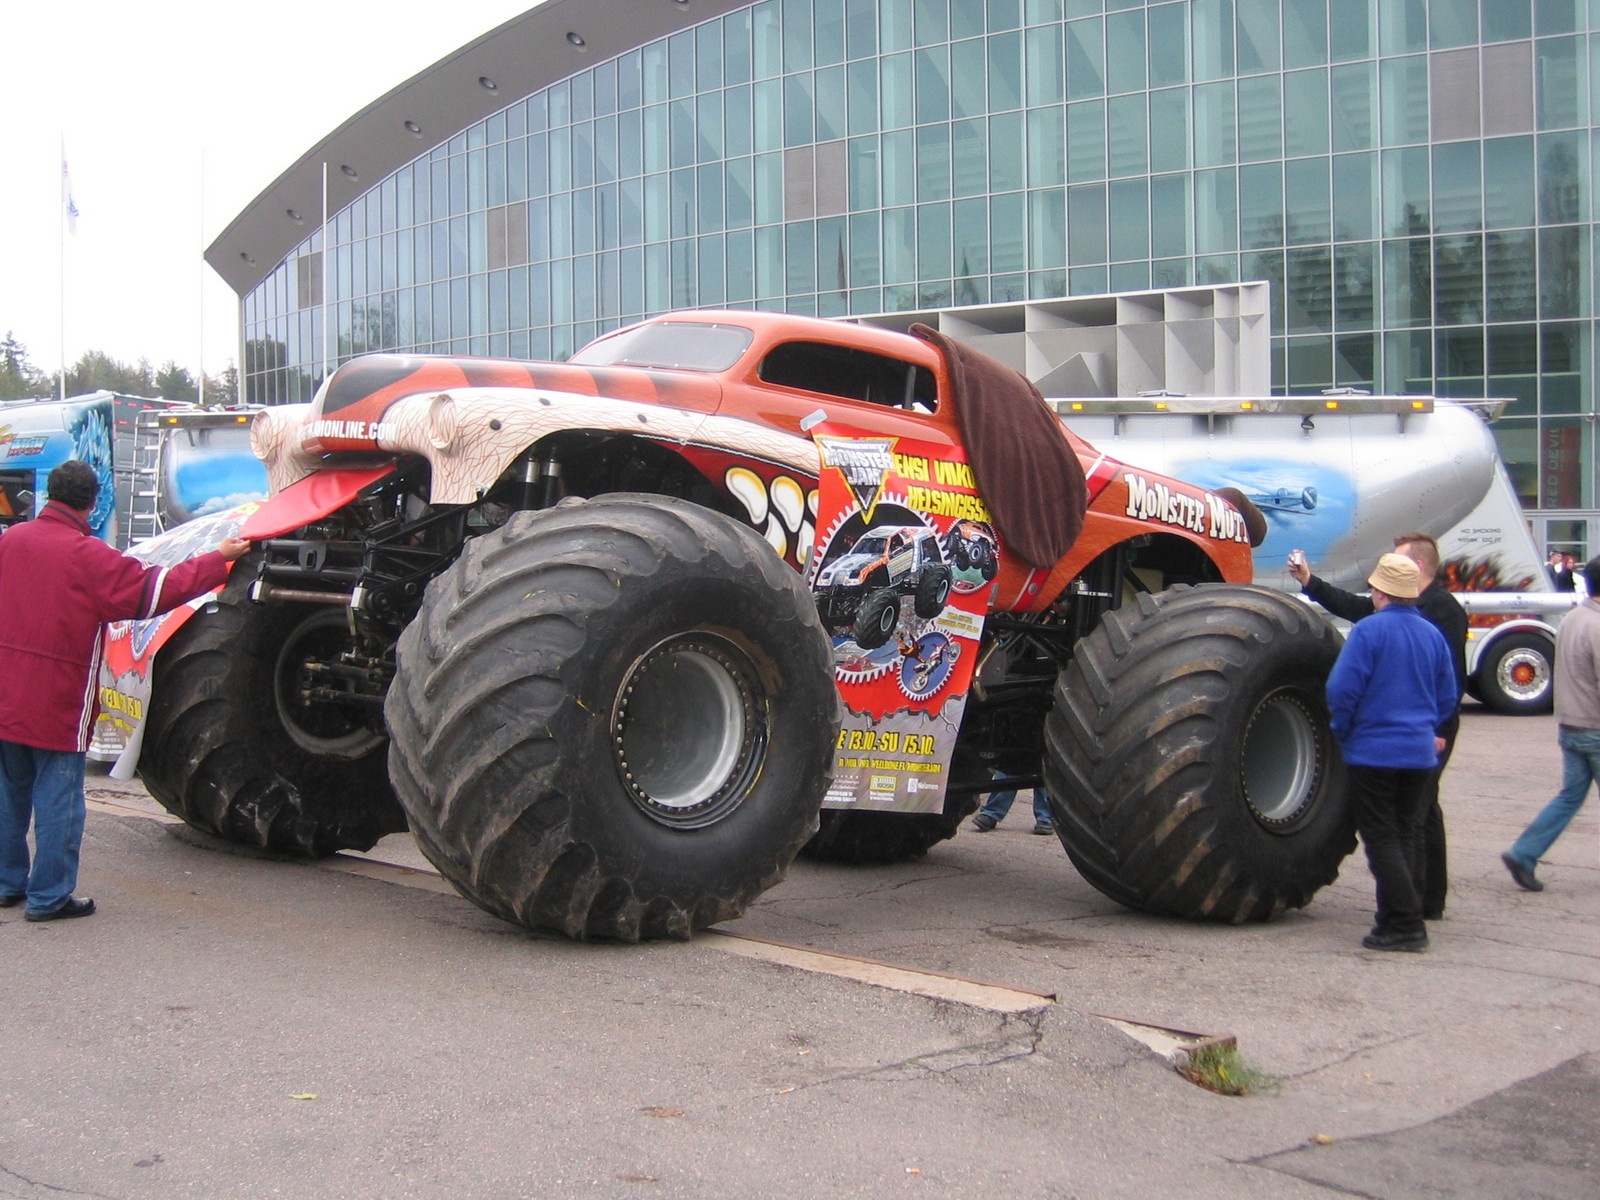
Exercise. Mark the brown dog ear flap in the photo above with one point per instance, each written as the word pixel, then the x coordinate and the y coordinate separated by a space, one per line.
pixel 1254 523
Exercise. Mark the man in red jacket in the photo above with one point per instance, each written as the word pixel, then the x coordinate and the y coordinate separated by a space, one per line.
pixel 59 585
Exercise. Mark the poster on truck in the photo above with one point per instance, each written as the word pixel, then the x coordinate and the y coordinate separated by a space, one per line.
pixel 905 558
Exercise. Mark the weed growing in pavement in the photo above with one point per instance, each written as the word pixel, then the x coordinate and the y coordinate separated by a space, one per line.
pixel 1219 1067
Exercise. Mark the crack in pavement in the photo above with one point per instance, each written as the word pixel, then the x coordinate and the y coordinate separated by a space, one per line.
pixel 40 1191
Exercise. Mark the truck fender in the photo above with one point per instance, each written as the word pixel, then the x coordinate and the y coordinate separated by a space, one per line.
pixel 311 499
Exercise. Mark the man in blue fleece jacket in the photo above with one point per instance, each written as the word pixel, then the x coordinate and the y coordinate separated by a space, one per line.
pixel 1390 694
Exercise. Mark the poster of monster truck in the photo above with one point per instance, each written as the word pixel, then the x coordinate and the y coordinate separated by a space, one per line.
pixel 905 558
pixel 131 645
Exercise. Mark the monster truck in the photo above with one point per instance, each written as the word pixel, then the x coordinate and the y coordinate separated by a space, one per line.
pixel 555 619
pixel 861 589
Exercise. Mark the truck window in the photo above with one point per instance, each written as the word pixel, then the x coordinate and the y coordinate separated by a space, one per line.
pixel 673 345
pixel 851 374
pixel 16 496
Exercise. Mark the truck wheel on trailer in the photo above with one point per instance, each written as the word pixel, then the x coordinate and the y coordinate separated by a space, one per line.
pixel 231 747
pixel 1515 674
pixel 614 718
pixel 1191 767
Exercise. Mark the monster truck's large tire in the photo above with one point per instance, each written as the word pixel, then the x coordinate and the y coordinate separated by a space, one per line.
pixel 933 589
pixel 614 718
pixel 230 749
pixel 1189 758
pixel 876 618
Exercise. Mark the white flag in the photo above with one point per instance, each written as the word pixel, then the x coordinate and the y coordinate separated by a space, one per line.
pixel 69 205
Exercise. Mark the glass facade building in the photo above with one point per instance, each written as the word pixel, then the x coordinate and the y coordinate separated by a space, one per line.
pixel 1415 178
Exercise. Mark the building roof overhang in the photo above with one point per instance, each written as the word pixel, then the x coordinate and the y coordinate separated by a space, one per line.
pixel 522 56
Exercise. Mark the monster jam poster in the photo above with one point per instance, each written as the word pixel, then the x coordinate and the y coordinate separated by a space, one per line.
pixel 905 559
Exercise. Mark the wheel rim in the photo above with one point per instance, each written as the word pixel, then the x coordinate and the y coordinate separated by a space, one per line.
pixel 1281 762
pixel 322 729
pixel 689 730
pixel 888 618
pixel 1523 675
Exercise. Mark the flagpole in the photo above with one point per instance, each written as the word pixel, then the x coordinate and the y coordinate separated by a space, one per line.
pixel 201 382
pixel 324 261
pixel 61 269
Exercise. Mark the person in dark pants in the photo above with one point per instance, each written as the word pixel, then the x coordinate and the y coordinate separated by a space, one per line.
pixel 1449 618
pixel 59 585
pixel 1390 692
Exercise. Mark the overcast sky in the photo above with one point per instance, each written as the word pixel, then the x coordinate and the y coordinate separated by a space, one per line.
pixel 145 93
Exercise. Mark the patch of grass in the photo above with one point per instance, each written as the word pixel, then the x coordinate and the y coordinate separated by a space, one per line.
pixel 1219 1067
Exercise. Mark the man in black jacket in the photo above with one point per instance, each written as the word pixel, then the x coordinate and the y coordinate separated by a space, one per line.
pixel 1447 615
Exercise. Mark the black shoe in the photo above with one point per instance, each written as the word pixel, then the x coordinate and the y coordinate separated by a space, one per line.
pixel 1044 828
pixel 1413 942
pixel 1523 875
pixel 10 901
pixel 1433 914
pixel 983 822
pixel 74 907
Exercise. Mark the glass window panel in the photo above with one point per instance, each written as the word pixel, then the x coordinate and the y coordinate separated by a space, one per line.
pixel 1046 148
pixel 1086 67
pixel 1355 196
pixel 933 84
pixel 1169 215
pixel 797 38
pixel 1504 20
pixel 769 261
pixel 1086 141
pixel 969 156
pixel 863 89
pixel 709 188
pixel 1215 143
pixel 1561 174
pixel 1047 232
pixel 1003 14
pixel 1212 38
pixel 1458 361
pixel 769 188
pixel 860 30
pixel 1353 93
pixel 1169 129
pixel 1309 306
pixel 1406 207
pixel 1005 152
pixel 1127 135
pixel 1005 72
pixel 657 138
pixel 1454 94
pixel 1168 29
pixel 800 269
pixel 768 116
pixel 1216 211
pixel 1350 29
pixel 1508 165
pixel 933 241
pixel 1559 68
pixel 933 162
pixel 1261 221
pixel 897 92
pixel 1355 279
pixel 1403 94
pixel 899 167
pixel 863 172
pixel 1458 279
pixel 1305 113
pixel 865 251
pixel 970 221
pixel 1563 256
pixel 896 24
pixel 899 245
pixel 737 64
pixel 966 20
pixel 967 90
pixel 1125 51
pixel 1355 360
pixel 799 127
pixel 708 56
pixel 1453 23
pixel 1086 224
pixel 1256 28
pixel 1556 16
pixel 830 104
pixel 1007 240
pixel 1305 32
pixel 1511 277
pixel 736 127
pixel 1306 182
pixel 1457 188
pixel 1044 65
pixel 680 114
pixel 829 44
pixel 1130 232
pixel 740 195
pixel 1260 118
pixel 708 128
pixel 1130 277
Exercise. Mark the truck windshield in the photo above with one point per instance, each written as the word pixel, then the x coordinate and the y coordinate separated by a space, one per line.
pixel 675 345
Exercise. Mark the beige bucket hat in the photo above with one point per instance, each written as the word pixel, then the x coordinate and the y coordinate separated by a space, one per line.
pixel 1396 575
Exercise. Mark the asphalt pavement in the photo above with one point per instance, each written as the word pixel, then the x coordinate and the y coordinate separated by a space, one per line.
pixel 234 1026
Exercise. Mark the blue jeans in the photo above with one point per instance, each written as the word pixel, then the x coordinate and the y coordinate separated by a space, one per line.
pixel 999 804
pixel 1580 766
pixel 48 784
